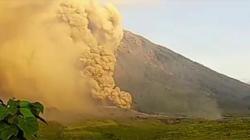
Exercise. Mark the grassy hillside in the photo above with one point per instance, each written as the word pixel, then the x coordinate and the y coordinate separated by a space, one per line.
pixel 162 81
pixel 149 129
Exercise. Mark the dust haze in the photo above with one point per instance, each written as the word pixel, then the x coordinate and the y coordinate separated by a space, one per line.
pixel 61 53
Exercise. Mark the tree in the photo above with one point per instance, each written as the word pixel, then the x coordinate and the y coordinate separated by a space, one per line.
pixel 19 119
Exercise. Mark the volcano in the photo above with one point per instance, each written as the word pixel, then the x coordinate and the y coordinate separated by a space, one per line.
pixel 164 82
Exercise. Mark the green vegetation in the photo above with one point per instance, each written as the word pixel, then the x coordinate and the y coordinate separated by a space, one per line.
pixel 18 119
pixel 150 129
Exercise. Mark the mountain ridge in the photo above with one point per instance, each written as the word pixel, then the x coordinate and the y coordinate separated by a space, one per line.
pixel 162 81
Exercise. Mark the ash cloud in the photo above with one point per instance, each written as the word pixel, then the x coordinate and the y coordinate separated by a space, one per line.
pixel 61 53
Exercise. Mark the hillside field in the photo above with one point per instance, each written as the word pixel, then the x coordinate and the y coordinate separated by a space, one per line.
pixel 149 129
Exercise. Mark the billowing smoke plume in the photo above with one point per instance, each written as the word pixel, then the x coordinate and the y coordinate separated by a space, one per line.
pixel 61 53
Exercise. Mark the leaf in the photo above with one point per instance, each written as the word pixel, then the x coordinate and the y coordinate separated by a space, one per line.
pixel 12 107
pixel 12 102
pixel 12 119
pixel 37 108
pixel 29 126
pixel 7 131
pixel 24 104
pixel 3 112
pixel 26 112
pixel 19 119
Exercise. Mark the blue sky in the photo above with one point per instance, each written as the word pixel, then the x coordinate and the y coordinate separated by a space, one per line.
pixel 215 33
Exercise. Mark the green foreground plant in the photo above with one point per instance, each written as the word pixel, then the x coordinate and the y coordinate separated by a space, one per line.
pixel 19 119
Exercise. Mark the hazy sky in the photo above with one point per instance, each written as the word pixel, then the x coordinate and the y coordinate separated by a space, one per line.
pixel 215 33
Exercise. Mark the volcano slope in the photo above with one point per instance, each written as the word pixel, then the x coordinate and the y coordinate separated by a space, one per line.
pixel 165 82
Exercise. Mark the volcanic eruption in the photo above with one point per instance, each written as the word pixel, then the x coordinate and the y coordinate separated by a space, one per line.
pixel 61 53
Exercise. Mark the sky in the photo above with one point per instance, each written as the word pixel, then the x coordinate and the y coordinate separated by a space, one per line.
pixel 215 33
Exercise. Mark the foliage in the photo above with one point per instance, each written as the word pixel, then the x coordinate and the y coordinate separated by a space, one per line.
pixel 19 119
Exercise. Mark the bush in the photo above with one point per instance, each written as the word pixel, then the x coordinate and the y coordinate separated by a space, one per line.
pixel 19 119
